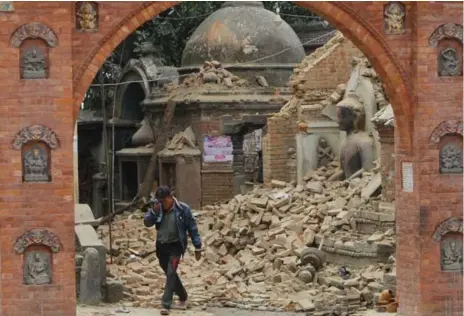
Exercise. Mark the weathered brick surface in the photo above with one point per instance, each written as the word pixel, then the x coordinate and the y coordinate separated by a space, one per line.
pixel 406 64
pixel 26 206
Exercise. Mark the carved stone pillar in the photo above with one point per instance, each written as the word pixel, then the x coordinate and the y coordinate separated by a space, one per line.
pixel 238 163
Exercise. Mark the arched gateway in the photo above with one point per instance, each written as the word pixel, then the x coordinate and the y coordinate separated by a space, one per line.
pixel 50 54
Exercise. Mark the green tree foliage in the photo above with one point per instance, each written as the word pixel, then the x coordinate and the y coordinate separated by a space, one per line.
pixel 170 32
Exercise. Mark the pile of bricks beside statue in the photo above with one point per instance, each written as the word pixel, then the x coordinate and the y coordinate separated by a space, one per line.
pixel 263 250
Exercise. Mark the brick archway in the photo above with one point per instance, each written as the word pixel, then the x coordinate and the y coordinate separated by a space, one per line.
pixel 340 14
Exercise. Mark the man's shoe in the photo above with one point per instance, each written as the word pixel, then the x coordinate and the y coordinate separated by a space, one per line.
pixel 181 305
pixel 164 311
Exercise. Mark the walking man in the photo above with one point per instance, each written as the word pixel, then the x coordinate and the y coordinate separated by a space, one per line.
pixel 173 220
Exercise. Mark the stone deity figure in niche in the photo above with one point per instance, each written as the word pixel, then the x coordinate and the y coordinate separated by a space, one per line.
pixel 36 165
pixel 449 63
pixel 394 18
pixel 37 268
pixel 356 154
pixel 451 256
pixel 451 158
pixel 324 153
pixel 86 16
pixel 33 64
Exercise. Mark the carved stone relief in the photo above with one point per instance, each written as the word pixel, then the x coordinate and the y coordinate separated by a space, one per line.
pixel 35 133
pixel 449 63
pixel 33 30
pixel 6 6
pixel 87 16
pixel 451 158
pixel 394 18
pixel 36 164
pixel 451 254
pixel 446 127
pixel 34 63
pixel 38 237
pixel 37 268
pixel 324 153
pixel 451 225
pixel 448 30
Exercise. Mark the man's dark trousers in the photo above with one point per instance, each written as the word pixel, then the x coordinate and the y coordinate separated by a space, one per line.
pixel 169 255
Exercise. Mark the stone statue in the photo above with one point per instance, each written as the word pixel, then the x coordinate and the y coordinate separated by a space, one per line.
pixel 451 255
pixel 356 152
pixel 35 165
pixel 451 158
pixel 87 17
pixel 324 153
pixel 449 63
pixel 394 18
pixel 34 66
pixel 37 268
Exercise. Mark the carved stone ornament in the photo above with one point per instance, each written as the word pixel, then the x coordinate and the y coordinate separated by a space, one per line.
pixel 6 6
pixel 33 30
pixel 448 30
pixel 35 133
pixel 36 164
pixel 38 237
pixel 37 268
pixel 394 15
pixel 449 63
pixel 451 158
pixel 324 153
pixel 451 225
pixel 451 254
pixel 33 64
pixel 87 16
pixel 446 127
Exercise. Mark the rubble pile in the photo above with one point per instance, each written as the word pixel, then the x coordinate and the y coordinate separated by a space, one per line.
pixel 213 72
pixel 270 249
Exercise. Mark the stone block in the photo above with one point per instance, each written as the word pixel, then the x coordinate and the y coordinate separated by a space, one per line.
pixel 86 237
pixel 83 215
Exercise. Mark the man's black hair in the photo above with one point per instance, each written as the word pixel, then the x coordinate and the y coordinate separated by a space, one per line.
pixel 163 192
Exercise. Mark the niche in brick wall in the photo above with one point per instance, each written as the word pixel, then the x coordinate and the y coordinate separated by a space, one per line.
pixel 35 143
pixel 37 265
pixel 449 63
pixel 34 40
pixel 34 59
pixel 36 159
pixel 447 38
pixel 449 235
pixel 450 154
pixel 37 247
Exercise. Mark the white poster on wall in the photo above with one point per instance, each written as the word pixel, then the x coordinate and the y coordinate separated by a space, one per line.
pixel 217 149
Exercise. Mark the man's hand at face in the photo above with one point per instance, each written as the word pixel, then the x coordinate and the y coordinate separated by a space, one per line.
pixel 198 254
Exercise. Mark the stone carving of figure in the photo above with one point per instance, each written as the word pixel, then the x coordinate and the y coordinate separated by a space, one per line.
pixel 36 165
pixel 87 17
pixel 37 269
pixel 451 158
pixel 324 153
pixel 449 63
pixel 34 64
pixel 451 256
pixel 394 17
pixel 356 152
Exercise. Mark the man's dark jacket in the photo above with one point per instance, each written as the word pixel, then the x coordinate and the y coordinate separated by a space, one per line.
pixel 185 223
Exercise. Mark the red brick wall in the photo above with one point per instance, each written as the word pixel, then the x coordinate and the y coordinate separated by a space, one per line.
pixel 27 206
pixel 330 69
pixel 280 137
pixel 216 185
pixel 406 63
pixel 424 289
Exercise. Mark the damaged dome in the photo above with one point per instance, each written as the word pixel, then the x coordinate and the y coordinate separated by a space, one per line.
pixel 241 32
